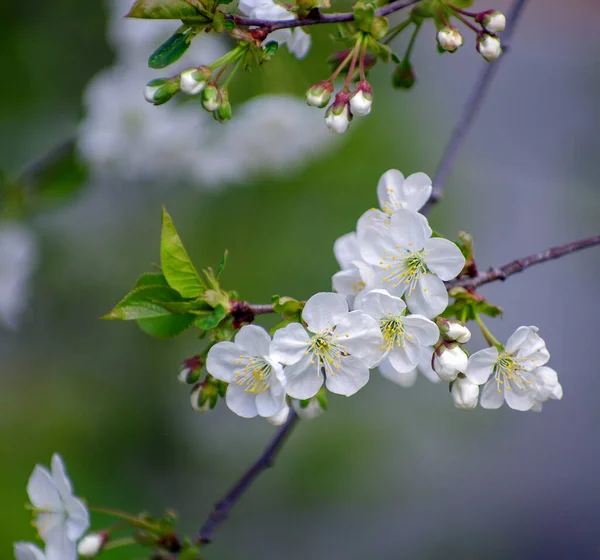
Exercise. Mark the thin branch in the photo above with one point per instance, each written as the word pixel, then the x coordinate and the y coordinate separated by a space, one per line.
pixel 519 265
pixel 318 18
pixel 260 308
pixel 222 508
pixel 471 110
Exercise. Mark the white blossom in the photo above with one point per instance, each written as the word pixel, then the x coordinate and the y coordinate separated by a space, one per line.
pixel 409 378
pixel 449 361
pixel 60 517
pixel 394 193
pixel 18 259
pixel 28 551
pixel 409 262
pixel 464 393
pixel 449 39
pixel 297 40
pixel 546 387
pixel 403 335
pixel 253 374
pixel 361 102
pixel 90 545
pixel 512 374
pixel 489 47
pixel 338 347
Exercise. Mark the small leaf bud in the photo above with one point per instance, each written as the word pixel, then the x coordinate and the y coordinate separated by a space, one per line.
pixel 362 99
pixel 489 47
pixel 308 411
pixel 211 99
pixel 223 113
pixel 280 418
pixel 449 360
pixel 90 545
pixel 452 330
pixel 404 76
pixel 465 393
pixel 194 80
pixel 161 90
pixel 190 370
pixel 338 115
pixel 319 94
pixel 449 39
pixel 492 20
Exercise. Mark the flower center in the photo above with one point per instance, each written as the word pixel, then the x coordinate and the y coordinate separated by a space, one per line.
pixel 392 330
pixel 405 268
pixel 510 373
pixel 255 376
pixel 327 353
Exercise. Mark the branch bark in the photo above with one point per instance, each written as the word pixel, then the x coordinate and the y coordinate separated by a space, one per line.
pixel 519 265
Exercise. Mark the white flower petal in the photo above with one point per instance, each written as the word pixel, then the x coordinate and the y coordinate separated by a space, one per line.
pixel 352 375
pixel 269 404
pixel 408 230
pixel 425 364
pixel 372 217
pixel 518 339
pixel 280 417
pixel 253 340
pixel 222 359
pixel 416 191
pixel 299 45
pixel 491 397
pixel 42 491
pixel 346 250
pixel 379 303
pixel 423 329
pixel 375 242
pixel 406 379
pixel 79 518
pixel 348 283
pixel 443 258
pixel 242 402
pixel 389 190
pixel 289 344
pixel 405 359
pixel 28 551
pixel 360 336
pixel 303 379
pixel 429 298
pixel 60 478
pixel 481 365
pixel 60 547
pixel 323 310
pixel 518 400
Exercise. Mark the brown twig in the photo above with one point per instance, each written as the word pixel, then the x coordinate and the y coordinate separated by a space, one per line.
pixel 519 265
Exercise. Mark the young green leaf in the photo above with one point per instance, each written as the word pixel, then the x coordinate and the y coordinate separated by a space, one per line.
pixel 175 262
pixel 222 264
pixel 211 319
pixel 166 327
pixel 151 279
pixel 144 303
pixel 170 51
pixel 162 9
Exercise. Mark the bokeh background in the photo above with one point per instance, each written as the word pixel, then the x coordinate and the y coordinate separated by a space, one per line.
pixel 390 473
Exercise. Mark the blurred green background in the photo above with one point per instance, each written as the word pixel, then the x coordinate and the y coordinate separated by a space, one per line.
pixel 390 473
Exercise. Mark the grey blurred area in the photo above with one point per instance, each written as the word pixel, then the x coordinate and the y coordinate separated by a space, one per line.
pixel 390 473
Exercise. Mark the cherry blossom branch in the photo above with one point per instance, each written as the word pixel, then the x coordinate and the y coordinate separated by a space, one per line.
pixel 223 507
pixel 471 110
pixel 519 265
pixel 317 18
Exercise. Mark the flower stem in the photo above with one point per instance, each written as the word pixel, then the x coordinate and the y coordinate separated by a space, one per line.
pixel 412 41
pixel 362 59
pixel 235 68
pixel 464 20
pixel 353 62
pixel 124 515
pixel 487 334
pixel 396 31
pixel 227 58
pixel 118 543
pixel 340 67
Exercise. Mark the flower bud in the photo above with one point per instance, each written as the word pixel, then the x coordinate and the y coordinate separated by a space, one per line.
pixel 90 545
pixel 223 113
pixel 452 330
pixel 492 20
pixel 404 76
pixel 465 393
pixel 211 98
pixel 362 99
pixel 338 116
pixel 319 94
pixel 280 418
pixel 448 361
pixel 160 90
pixel 194 80
pixel 310 411
pixel 190 370
pixel 449 39
pixel 203 397
pixel 489 47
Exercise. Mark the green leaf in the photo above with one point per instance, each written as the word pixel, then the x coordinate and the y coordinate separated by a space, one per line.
pixel 175 262
pixel 151 279
pixel 166 327
pixel 222 264
pixel 229 24
pixel 170 51
pixel 143 303
pixel 271 48
pixel 364 14
pixel 162 9
pixel 211 319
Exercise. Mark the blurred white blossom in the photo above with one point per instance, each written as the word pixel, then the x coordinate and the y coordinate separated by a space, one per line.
pixel 18 259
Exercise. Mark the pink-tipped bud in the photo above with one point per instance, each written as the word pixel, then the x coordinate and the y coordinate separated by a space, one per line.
pixel 449 39
pixel 319 94
pixel 362 99
pixel 338 115
pixel 190 370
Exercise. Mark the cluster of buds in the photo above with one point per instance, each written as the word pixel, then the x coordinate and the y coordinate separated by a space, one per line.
pixel 488 44
pixel 345 106
pixel 450 362
pixel 205 394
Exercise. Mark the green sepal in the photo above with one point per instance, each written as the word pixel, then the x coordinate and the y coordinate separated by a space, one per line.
pixel 163 9
pixel 175 262
pixel 170 51
pixel 222 264
pixel 271 48
pixel 465 244
pixel 321 397
pixel 218 22
pixel 210 319
pixel 229 24
pixel 287 306
pixel 382 52
pixel 304 403
pixel 364 15
pixel 467 305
